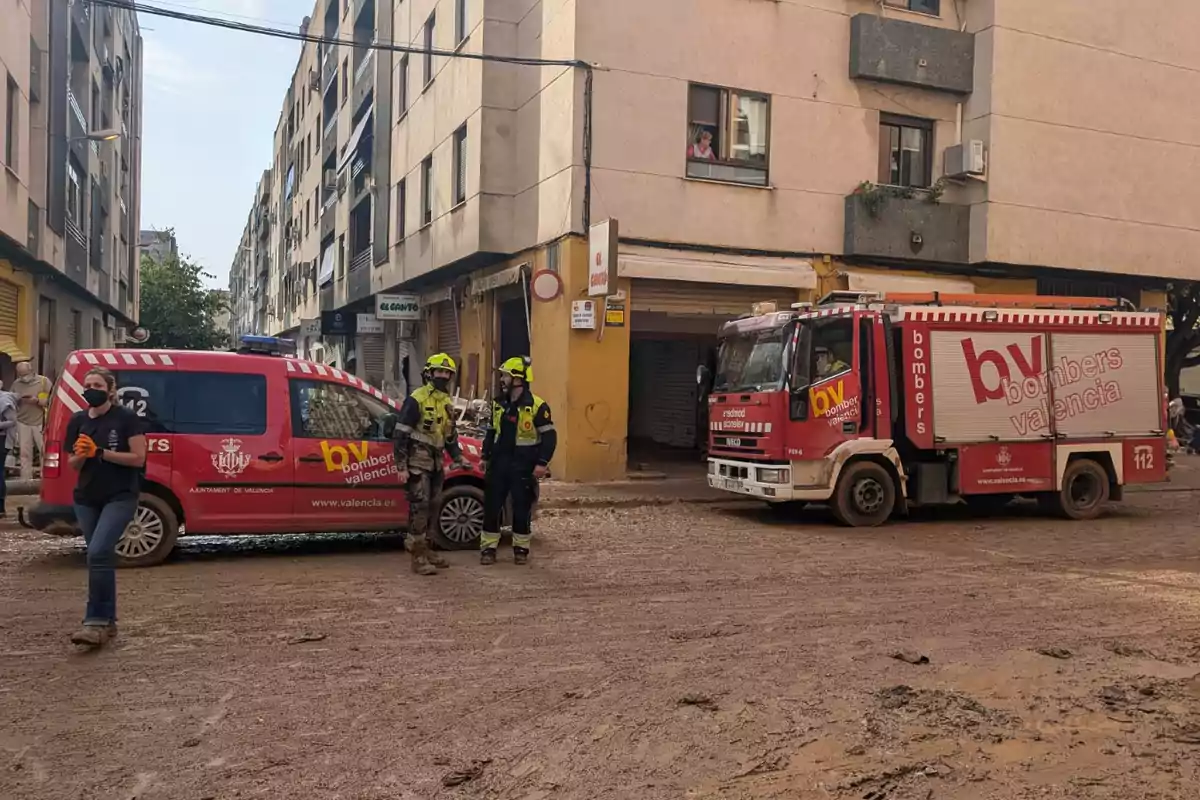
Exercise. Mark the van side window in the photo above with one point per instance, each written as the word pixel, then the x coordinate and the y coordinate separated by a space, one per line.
pixel 220 403
pixel 148 394
pixel 325 410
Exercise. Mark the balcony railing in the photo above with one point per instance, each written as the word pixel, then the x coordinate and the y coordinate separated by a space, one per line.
pixel 330 126
pixel 361 260
pixel 76 109
pixel 367 61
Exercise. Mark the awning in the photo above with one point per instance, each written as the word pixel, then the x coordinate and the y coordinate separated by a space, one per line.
pixel 8 346
pixel 497 280
pixel 352 143
pixel 885 282
pixel 677 265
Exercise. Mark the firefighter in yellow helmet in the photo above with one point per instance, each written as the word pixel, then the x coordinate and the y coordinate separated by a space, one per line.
pixel 425 430
pixel 516 450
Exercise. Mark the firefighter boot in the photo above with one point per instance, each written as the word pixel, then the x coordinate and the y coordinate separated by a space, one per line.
pixel 487 557
pixel 520 555
pixel 420 557
pixel 437 559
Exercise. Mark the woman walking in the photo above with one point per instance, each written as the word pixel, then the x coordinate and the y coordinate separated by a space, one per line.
pixel 108 451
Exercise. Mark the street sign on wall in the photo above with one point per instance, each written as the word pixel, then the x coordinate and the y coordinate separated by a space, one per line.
pixel 602 258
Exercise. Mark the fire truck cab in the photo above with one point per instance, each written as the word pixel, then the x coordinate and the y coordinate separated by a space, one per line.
pixel 874 403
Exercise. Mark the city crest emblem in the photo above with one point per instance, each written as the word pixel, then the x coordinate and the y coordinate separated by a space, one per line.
pixel 231 461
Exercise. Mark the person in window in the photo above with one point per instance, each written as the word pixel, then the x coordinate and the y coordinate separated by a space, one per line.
pixel 108 450
pixel 701 147
pixel 828 364
pixel 424 432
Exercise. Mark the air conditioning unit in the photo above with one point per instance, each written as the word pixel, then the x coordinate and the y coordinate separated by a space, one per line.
pixel 119 335
pixel 331 179
pixel 968 158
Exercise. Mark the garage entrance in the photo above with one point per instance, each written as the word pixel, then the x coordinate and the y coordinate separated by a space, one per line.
pixel 673 329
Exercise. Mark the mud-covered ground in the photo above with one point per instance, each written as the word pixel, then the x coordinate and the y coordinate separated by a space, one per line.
pixel 675 652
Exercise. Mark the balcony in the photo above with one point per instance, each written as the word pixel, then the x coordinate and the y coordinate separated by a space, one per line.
pixel 908 53
pixel 77 247
pixel 893 223
pixel 328 69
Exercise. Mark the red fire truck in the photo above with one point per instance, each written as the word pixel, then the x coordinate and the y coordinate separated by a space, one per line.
pixel 877 403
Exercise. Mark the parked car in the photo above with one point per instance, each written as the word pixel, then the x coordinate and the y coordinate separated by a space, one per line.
pixel 249 442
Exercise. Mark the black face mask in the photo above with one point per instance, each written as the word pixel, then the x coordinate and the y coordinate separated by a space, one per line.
pixel 95 397
pixel 441 384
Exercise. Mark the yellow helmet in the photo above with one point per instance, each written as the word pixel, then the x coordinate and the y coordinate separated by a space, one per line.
pixel 518 367
pixel 441 361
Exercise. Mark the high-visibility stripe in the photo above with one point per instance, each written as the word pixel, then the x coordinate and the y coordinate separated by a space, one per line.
pixel 146 359
pixel 305 368
pixel 545 428
pixel 91 358
pixel 166 359
pixel 72 381
pixel 129 359
pixel 110 358
pixel 291 366
pixel 65 398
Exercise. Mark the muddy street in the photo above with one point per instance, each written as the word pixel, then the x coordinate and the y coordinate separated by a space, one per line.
pixel 681 651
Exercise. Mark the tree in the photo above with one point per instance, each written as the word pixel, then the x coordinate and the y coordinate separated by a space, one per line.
pixel 1183 338
pixel 177 309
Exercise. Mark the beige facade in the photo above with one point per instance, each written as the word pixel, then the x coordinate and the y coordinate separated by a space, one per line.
pixel 758 149
pixel 70 190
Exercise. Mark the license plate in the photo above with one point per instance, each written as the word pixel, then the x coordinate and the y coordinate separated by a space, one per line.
pixel 731 485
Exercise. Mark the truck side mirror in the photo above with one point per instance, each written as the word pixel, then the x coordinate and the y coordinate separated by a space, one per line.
pixel 703 376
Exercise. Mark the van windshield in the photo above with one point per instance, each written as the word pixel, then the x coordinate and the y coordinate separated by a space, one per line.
pixel 752 362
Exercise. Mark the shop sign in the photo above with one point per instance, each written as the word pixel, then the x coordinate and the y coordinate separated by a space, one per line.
pixel 310 327
pixel 369 324
pixel 398 306
pixel 505 277
pixel 338 323
pixel 614 314
pixel 602 258
pixel 583 315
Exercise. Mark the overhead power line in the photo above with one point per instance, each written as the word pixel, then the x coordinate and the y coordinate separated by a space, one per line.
pixel 280 33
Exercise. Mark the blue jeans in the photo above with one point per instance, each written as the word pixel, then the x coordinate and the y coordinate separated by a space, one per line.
pixel 102 527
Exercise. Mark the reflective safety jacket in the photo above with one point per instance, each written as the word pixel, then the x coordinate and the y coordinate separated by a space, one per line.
pixel 425 430
pixel 523 428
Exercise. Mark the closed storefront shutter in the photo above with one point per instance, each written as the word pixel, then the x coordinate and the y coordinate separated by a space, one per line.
pixel 370 350
pixel 702 299
pixel 447 335
pixel 663 383
pixel 10 296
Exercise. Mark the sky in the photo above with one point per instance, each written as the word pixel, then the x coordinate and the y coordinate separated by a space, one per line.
pixel 211 101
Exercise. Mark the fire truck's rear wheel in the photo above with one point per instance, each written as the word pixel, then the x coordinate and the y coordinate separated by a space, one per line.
pixel 865 495
pixel 150 536
pixel 1084 490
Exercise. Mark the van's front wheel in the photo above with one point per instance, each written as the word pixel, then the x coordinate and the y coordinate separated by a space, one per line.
pixel 150 536
pixel 865 495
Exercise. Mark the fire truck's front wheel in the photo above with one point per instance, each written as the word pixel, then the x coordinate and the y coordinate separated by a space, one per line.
pixel 865 495
pixel 1084 490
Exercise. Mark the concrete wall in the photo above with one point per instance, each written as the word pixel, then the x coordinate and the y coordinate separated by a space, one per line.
pixel 15 178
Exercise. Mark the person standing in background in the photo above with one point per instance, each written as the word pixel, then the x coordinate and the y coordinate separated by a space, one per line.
pixel 33 397
pixel 8 426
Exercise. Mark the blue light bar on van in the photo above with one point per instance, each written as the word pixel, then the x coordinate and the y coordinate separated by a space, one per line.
pixel 266 345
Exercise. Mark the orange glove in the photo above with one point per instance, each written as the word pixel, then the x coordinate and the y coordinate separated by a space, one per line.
pixel 85 446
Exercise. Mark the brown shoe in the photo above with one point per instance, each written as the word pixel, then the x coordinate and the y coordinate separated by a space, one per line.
pixel 436 558
pixel 420 559
pixel 93 636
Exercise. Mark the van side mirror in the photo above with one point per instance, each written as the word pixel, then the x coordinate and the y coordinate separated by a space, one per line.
pixel 387 424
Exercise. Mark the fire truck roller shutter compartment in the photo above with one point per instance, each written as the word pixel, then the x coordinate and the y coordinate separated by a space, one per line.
pixel 673 329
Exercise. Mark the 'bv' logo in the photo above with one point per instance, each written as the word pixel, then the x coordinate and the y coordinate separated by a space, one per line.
pixel 336 457
pixel 1029 366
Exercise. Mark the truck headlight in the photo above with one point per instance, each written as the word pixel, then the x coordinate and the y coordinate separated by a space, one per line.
pixel 774 475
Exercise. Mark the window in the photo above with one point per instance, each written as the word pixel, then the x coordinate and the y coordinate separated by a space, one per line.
pixel 923 6
pixel 427 191
pixel 74 194
pixel 323 410
pixel 905 151
pixel 307 218
pixel 316 201
pixel 345 78
pixel 460 21
pixel 401 197
pixel 220 403
pixel 96 340
pixel 460 165
pixel 402 87
pixel 341 257
pixel 427 63
pixel 727 135
pixel 148 394
pixel 11 97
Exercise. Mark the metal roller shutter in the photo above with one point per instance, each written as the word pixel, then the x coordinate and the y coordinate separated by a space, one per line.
pixel 447 330
pixel 663 377
pixel 704 299
pixel 370 349
pixel 10 296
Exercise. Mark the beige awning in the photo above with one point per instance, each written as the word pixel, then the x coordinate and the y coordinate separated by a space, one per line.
pixel 8 346
pixel 864 281
pixel 677 265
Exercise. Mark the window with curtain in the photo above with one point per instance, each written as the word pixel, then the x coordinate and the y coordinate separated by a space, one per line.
pixel 728 135
pixel 905 151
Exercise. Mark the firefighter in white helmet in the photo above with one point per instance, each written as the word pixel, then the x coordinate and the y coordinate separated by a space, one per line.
pixel 424 432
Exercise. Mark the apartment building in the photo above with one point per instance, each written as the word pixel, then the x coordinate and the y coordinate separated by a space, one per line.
pixel 71 135
pixel 748 150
